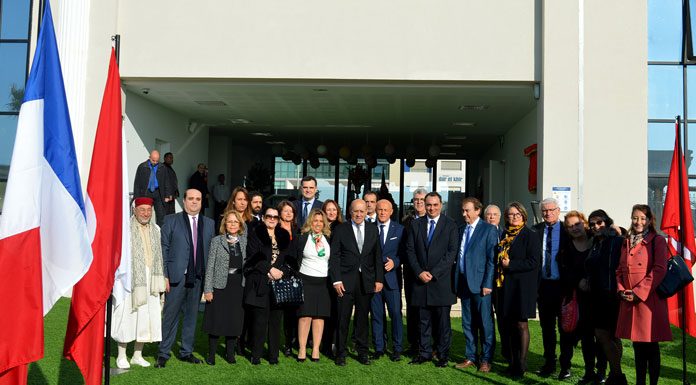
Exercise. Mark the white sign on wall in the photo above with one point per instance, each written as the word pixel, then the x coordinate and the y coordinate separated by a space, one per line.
pixel 562 195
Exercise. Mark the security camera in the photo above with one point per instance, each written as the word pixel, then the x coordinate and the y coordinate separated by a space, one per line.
pixel 145 91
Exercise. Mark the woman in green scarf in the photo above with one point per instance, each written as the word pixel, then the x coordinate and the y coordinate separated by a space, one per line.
pixel 517 272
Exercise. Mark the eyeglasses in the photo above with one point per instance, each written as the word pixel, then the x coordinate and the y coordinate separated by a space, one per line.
pixel 274 217
pixel 514 215
pixel 548 210
pixel 597 223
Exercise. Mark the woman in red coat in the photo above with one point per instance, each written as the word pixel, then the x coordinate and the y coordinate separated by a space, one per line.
pixel 642 313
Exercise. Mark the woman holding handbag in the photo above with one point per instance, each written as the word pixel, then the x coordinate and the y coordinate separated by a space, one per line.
pixel 266 249
pixel 643 316
pixel 575 288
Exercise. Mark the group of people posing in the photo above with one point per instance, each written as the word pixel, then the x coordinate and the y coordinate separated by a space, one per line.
pixel 354 268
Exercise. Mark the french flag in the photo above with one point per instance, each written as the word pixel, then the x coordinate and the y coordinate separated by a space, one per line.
pixel 44 243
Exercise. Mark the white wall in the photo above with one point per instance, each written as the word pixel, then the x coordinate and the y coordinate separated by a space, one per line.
pixel 360 39
pixel 146 122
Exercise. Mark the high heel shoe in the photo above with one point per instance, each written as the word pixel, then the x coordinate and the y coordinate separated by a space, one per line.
pixel 301 359
pixel 314 359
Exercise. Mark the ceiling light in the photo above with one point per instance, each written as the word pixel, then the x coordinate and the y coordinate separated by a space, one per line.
pixel 447 154
pixel 455 137
pixel 347 126
pixel 272 142
pixel 474 107
pixel 451 145
pixel 211 103
pixel 464 124
pixel 260 134
pixel 239 121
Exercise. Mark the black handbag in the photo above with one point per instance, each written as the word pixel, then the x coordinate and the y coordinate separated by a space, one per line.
pixel 677 276
pixel 288 290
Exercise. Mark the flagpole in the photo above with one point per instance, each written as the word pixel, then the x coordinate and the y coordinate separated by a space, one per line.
pixel 682 241
pixel 109 302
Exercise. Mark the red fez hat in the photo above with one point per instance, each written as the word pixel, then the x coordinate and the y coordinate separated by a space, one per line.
pixel 143 201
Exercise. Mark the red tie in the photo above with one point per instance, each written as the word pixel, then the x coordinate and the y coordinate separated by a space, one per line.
pixel 195 239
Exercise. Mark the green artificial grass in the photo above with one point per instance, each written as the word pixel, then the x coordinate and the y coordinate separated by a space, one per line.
pixel 53 369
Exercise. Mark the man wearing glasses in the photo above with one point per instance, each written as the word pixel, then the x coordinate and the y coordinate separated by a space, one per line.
pixel 553 237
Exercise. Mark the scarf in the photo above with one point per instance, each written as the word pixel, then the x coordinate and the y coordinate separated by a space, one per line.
pixel 504 246
pixel 138 255
pixel 321 250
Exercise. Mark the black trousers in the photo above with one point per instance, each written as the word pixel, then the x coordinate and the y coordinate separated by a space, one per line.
pixel 265 322
pixel 549 302
pixel 435 323
pixel 412 313
pixel 290 326
pixel 354 296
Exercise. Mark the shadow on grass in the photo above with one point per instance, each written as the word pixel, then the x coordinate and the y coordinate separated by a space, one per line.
pixel 36 375
pixel 68 373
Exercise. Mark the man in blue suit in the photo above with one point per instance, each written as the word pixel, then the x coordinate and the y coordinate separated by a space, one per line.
pixel 309 200
pixel 393 249
pixel 186 238
pixel 473 281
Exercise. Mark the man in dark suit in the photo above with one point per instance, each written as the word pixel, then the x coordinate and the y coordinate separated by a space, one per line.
pixel 473 280
pixel 309 200
pixel 199 181
pixel 431 249
pixel 150 181
pixel 552 237
pixel 393 249
pixel 370 198
pixel 356 271
pixel 171 191
pixel 412 316
pixel 492 215
pixel 186 238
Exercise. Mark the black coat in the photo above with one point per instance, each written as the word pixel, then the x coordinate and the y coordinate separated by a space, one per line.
pixel 438 259
pixel 517 297
pixel 346 259
pixel 199 182
pixel 171 182
pixel 258 264
pixel 142 178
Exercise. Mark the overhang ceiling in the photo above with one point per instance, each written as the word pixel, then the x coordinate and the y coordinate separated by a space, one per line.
pixel 337 113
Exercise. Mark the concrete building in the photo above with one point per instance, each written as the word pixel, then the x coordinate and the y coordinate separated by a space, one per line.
pixel 222 83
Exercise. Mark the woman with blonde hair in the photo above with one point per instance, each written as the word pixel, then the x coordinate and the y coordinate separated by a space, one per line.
pixel 310 254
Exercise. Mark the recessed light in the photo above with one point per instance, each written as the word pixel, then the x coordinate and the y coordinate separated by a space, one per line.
pixel 451 145
pixel 275 142
pixel 455 137
pixel 211 103
pixel 239 121
pixel 261 134
pixel 474 107
pixel 448 153
pixel 464 124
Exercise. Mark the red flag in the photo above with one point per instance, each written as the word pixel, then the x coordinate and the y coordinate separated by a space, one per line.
pixel 676 214
pixel 84 339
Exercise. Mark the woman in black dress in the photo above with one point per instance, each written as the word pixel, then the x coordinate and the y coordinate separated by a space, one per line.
pixel 310 254
pixel 224 286
pixel 266 250
pixel 517 275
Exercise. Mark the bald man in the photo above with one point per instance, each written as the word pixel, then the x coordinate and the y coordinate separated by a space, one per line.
pixel 150 181
pixel 357 272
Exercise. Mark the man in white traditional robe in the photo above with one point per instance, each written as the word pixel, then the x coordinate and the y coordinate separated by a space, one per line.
pixel 137 317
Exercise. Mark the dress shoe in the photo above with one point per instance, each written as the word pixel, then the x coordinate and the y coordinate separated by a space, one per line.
pixel 465 364
pixel 363 359
pixel 287 351
pixel 190 359
pixel 564 374
pixel 255 361
pixel 485 367
pixel 231 359
pixel 303 359
pixel 419 360
pixel 273 362
pixel 210 360
pixel 161 362
pixel 377 355
pixel 587 378
pixel 122 363
pixel 395 357
pixel 441 363
pixel 340 361
pixel 600 378
pixel 546 370
pixel 140 361
pixel 616 379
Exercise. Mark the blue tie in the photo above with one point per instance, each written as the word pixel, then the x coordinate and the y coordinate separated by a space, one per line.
pixel 431 231
pixel 381 234
pixel 305 212
pixel 465 246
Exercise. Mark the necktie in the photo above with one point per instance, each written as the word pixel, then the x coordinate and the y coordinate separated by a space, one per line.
pixel 381 234
pixel 305 212
pixel 360 239
pixel 194 235
pixel 431 231
pixel 465 246
pixel 547 252
pixel 152 182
